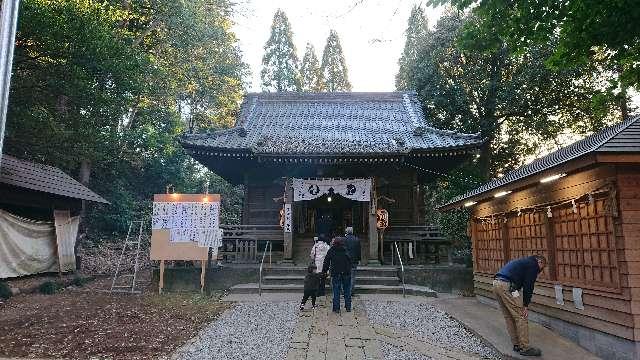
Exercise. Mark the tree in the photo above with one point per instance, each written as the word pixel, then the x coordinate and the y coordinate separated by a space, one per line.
pixel 514 101
pixel 334 67
pixel 600 35
pixel 416 38
pixel 110 85
pixel 280 62
pixel 310 72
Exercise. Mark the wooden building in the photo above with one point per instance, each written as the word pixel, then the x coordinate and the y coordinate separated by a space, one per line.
pixel 39 207
pixel 329 146
pixel 579 207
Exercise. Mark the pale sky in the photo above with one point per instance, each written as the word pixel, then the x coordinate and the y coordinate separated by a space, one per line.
pixel 371 33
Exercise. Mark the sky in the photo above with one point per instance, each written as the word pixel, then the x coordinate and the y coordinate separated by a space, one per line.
pixel 371 33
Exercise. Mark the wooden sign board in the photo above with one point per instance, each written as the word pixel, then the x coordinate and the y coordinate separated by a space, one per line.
pixel 163 249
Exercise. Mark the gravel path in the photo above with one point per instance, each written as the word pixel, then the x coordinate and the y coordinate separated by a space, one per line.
pixel 255 331
pixel 429 323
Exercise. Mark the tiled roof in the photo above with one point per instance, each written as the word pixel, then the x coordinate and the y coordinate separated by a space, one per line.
pixel 623 137
pixel 331 123
pixel 49 179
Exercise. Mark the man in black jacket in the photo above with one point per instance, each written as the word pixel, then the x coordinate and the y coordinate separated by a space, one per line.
pixel 516 276
pixel 353 248
pixel 339 263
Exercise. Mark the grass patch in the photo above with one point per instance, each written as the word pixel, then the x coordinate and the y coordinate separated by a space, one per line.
pixel 5 291
pixel 80 281
pixel 50 287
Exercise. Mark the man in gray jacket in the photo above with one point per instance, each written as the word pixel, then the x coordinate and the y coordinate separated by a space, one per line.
pixel 353 249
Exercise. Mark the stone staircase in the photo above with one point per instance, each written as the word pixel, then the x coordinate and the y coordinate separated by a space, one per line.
pixel 369 280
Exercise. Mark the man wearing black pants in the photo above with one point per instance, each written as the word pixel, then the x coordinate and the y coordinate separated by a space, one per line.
pixel 338 261
pixel 353 248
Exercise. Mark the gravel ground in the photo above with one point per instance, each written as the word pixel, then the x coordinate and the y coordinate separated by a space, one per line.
pixel 391 352
pixel 254 331
pixel 429 323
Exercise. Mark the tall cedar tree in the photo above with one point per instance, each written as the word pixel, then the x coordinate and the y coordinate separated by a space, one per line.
pixel 416 38
pixel 280 62
pixel 310 72
pixel 334 67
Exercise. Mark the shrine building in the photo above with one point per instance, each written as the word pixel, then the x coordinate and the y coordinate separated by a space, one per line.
pixel 315 163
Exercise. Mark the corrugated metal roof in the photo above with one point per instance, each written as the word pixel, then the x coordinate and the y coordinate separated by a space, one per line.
pixel 49 179
pixel 331 123
pixel 622 137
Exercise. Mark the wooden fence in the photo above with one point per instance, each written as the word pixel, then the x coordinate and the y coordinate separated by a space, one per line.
pixel 244 243
pixel 417 245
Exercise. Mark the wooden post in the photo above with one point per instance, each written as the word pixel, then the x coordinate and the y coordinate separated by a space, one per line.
pixel 288 236
pixel 202 276
pixel 161 283
pixel 552 268
pixel 373 229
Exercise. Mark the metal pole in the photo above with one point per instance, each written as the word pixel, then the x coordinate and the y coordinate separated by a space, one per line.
pixel 8 24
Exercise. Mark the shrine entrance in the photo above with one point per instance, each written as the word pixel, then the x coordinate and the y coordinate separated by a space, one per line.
pixel 325 208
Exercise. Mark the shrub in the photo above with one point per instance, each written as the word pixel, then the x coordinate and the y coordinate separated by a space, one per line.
pixel 5 291
pixel 49 287
pixel 79 281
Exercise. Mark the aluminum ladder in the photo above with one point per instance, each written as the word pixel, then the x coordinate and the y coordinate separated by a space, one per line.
pixel 128 244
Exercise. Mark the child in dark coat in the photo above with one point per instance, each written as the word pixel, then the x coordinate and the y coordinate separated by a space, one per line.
pixel 311 285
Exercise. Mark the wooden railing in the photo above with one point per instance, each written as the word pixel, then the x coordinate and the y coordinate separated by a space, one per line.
pixel 243 243
pixel 416 244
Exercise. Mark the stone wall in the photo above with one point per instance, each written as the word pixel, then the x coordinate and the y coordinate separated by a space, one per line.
pixel 442 278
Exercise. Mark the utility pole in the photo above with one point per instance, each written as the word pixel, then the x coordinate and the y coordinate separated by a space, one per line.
pixel 8 23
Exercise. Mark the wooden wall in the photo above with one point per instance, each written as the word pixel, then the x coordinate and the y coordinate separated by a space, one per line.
pixel 595 246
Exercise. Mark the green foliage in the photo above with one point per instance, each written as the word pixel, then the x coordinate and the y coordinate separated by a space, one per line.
pixel 80 281
pixel 587 33
pixel 116 84
pixel 5 290
pixel 50 287
pixel 310 73
pixel 280 62
pixel 334 68
pixel 416 38
pixel 514 101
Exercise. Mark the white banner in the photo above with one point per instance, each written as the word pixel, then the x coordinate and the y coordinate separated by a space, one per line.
pixel 354 189
pixel 287 218
pixel 189 221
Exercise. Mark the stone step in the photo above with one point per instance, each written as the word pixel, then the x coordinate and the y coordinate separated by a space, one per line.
pixel 373 271
pixel 299 279
pixel 252 288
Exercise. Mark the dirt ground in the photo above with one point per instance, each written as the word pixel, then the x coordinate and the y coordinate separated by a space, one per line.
pixel 81 323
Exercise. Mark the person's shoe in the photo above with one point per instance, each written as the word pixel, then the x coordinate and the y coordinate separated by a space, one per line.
pixel 336 311
pixel 517 348
pixel 530 351
pixel 349 310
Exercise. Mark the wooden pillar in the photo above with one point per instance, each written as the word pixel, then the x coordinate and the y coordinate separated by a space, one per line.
pixel 373 229
pixel 244 218
pixel 288 236
pixel 552 268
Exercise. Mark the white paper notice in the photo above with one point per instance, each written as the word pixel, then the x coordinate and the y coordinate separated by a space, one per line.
pixel 577 298
pixel 559 295
pixel 287 218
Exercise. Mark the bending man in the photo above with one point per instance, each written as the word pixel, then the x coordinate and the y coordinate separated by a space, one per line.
pixel 513 287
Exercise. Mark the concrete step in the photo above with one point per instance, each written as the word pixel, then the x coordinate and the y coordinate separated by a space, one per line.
pixel 299 279
pixel 372 271
pixel 298 288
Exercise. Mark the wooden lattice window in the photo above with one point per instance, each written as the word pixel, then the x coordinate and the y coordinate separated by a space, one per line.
pixel 527 236
pixel 489 251
pixel 585 245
